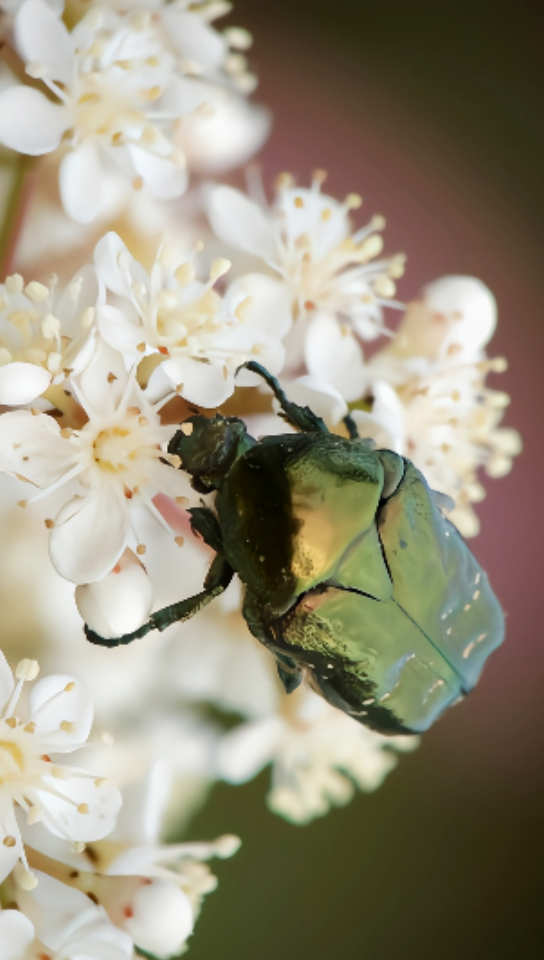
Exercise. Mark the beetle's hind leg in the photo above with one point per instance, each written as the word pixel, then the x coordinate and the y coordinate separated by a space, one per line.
pixel 218 579
pixel 302 418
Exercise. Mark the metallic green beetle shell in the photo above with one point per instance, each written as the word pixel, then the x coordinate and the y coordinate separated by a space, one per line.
pixel 373 593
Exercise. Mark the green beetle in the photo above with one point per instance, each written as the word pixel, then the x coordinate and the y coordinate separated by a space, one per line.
pixel 353 576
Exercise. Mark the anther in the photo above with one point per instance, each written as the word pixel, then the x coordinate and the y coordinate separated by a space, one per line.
pixel 83 808
pixel 180 541
pixel 36 292
pixel 27 880
pixel 27 670
pixel 141 549
pixel 219 268
pixel 67 726
pixel 187 429
pixel 141 348
pixel 9 841
pixel 14 284
pixel 353 201
pixel 49 524
pixel 137 183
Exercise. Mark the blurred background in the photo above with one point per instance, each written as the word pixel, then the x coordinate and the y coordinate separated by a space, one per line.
pixel 434 112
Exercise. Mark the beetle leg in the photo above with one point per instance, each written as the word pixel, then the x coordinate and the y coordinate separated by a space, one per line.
pixel 291 677
pixel 351 427
pixel 217 580
pixel 204 522
pixel 302 418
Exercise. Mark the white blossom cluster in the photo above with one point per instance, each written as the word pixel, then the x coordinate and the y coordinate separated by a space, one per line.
pixel 125 107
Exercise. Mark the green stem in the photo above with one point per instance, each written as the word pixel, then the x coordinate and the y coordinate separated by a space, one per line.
pixel 13 214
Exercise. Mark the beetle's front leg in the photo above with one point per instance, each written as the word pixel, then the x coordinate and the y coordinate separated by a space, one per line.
pixel 301 417
pixel 219 577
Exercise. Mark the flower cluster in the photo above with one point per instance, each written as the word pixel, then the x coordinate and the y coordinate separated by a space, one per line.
pixel 124 107
pixel 73 886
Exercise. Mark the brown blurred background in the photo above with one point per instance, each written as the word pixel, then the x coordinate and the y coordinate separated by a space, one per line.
pixel 434 111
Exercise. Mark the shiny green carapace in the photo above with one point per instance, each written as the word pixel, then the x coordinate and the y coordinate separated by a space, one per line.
pixel 354 579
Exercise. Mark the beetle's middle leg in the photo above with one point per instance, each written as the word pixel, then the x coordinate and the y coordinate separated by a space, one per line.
pixel 217 580
pixel 302 418
pixel 289 673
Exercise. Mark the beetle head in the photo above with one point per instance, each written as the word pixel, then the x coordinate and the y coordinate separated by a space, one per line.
pixel 208 448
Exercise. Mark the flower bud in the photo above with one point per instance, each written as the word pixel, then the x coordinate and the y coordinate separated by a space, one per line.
pixel 119 603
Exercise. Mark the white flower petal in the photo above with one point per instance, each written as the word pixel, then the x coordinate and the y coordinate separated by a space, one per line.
pixel 89 536
pixel 386 423
pixel 246 749
pixel 32 447
pixel 194 39
pixel 116 267
pixel 202 383
pixel 42 38
pixel 52 907
pixel 240 222
pixel 9 855
pixel 62 709
pixel 81 182
pixel 16 935
pixel 29 122
pixel 162 918
pixel 164 178
pixel 271 302
pixel 70 925
pixel 119 329
pixel 183 96
pixel 102 383
pixel 119 603
pixel 68 308
pixel 320 396
pixel 79 808
pixel 333 354
pixel 22 383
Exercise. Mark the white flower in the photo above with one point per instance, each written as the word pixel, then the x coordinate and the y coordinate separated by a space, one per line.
pixel 69 925
pixel 43 334
pixel 117 456
pixel 117 93
pixel 430 401
pixel 70 803
pixel 150 890
pixel 319 756
pixel 185 28
pixel 326 281
pixel 451 322
pixel 182 320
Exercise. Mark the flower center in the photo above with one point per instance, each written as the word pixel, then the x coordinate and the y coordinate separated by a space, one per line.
pixel 178 324
pixel 11 760
pixel 115 449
